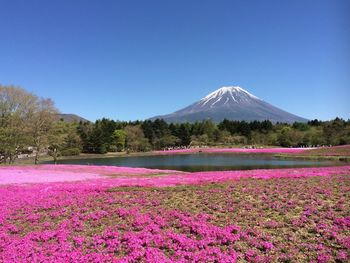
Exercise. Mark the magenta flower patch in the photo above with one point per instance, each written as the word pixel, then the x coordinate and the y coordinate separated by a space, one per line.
pixel 112 214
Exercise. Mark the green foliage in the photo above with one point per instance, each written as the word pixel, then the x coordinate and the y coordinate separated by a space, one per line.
pixel 64 140
pixel 28 124
pixel 301 126
pixel 336 132
pixel 25 121
pixel 98 137
pixel 167 140
pixel 120 139
pixel 70 151
pixel 155 135
pixel 135 139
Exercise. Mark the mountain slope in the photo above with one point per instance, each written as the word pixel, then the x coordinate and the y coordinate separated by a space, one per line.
pixel 233 103
pixel 71 117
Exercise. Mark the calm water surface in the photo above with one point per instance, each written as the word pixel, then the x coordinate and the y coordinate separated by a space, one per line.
pixel 201 162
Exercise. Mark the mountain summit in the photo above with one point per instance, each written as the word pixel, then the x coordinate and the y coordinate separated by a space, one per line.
pixel 227 96
pixel 232 103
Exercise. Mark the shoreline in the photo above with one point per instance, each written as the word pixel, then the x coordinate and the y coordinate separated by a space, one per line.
pixel 277 152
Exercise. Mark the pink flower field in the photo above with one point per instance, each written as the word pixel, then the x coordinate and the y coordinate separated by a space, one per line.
pixel 69 213
pixel 66 173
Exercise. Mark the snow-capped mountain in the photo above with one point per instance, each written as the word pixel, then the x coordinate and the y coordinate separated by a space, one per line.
pixel 232 103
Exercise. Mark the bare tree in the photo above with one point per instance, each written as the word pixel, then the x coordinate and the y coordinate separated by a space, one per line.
pixel 41 125
pixel 16 105
pixel 25 120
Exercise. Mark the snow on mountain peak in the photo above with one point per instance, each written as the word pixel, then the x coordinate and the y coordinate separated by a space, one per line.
pixel 229 93
pixel 232 103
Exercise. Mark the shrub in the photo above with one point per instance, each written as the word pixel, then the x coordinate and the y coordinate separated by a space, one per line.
pixel 70 152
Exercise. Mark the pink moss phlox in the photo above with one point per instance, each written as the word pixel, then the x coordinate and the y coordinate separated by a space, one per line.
pixel 128 176
pixel 62 173
pixel 91 221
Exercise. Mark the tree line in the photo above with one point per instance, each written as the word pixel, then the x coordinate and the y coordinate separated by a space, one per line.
pixel 107 135
pixel 29 126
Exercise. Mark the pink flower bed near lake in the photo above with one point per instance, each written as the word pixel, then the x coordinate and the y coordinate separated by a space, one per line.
pixel 305 217
pixel 66 173
pixel 126 176
pixel 235 150
pixel 196 178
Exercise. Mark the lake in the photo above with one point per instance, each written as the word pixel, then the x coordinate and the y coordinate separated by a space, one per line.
pixel 201 162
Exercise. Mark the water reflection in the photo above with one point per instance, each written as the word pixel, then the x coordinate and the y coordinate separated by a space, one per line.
pixel 201 162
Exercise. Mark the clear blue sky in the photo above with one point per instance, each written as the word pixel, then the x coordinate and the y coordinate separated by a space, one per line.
pixel 133 59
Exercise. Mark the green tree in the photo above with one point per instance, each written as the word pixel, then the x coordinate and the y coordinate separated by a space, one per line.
pixel 120 139
pixel 209 129
pixel 300 126
pixel 64 140
pixel 135 139
pixel 283 137
pixel 184 134
pixel 167 140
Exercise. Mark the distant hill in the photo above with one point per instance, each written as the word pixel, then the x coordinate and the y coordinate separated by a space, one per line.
pixel 232 103
pixel 71 118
